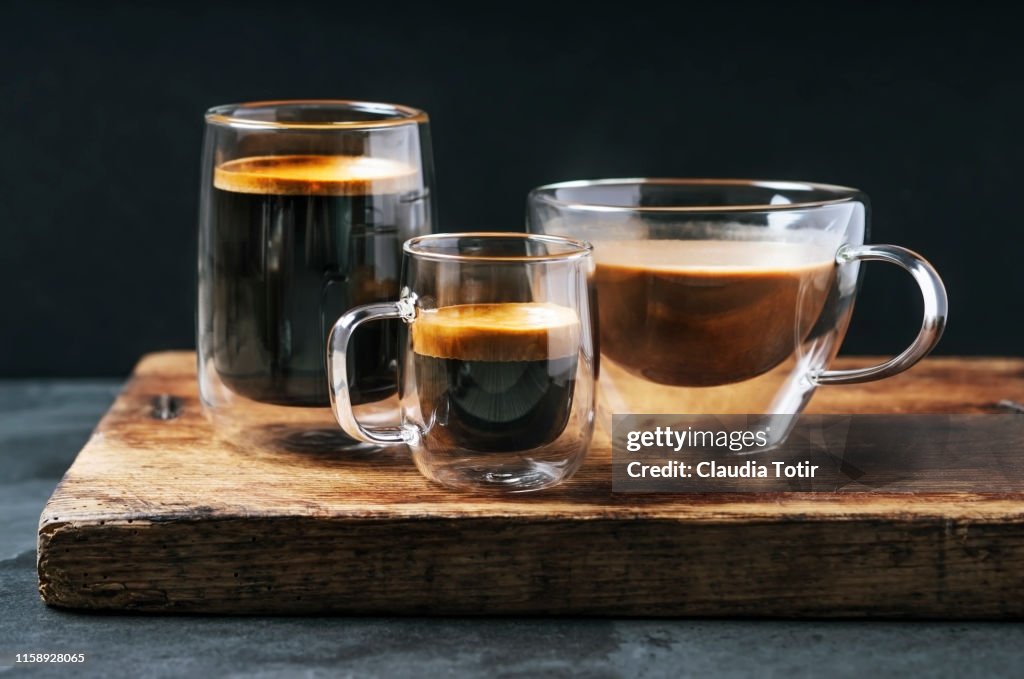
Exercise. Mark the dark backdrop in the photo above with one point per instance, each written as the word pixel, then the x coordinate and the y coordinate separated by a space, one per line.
pixel 919 104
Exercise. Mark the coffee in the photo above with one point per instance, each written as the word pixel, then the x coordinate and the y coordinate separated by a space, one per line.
pixel 707 313
pixel 299 240
pixel 496 377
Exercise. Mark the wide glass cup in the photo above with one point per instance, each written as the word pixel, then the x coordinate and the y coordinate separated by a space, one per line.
pixel 726 296
pixel 304 207
pixel 497 361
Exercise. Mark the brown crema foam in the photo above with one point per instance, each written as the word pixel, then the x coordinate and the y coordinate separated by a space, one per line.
pixel 315 175
pixel 509 331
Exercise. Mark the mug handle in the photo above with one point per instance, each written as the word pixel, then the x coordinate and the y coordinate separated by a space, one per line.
pixel 337 371
pixel 935 312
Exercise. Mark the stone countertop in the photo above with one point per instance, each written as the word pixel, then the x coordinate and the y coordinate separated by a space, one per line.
pixel 43 423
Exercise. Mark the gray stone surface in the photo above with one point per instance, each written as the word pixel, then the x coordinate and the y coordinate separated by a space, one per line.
pixel 43 424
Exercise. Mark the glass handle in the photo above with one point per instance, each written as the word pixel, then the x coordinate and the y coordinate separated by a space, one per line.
pixel 935 312
pixel 337 372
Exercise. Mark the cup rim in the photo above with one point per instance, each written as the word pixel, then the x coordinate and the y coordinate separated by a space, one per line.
pixel 393 115
pixel 576 249
pixel 844 194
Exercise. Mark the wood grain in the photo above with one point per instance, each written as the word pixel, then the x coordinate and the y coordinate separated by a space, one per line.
pixel 164 516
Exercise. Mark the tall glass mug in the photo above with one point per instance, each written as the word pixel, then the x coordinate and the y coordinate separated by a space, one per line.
pixel 304 208
pixel 497 362
pixel 726 296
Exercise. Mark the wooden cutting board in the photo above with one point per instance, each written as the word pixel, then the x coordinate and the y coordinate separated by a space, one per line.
pixel 159 515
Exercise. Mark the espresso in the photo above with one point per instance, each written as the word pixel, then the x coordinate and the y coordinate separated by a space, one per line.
pixel 299 240
pixel 496 377
pixel 707 313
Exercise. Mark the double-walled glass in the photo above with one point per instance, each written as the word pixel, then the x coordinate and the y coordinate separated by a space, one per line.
pixel 304 208
pixel 726 296
pixel 497 360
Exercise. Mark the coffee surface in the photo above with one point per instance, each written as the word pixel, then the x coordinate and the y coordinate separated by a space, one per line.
pixel 297 241
pixel 314 175
pixel 496 377
pixel 509 331
pixel 708 313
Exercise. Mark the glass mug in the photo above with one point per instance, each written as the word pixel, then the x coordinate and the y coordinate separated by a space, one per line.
pixel 726 296
pixel 496 364
pixel 304 207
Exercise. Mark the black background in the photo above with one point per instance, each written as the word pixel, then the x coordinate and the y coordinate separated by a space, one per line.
pixel 918 104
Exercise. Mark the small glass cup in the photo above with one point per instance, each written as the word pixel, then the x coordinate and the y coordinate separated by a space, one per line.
pixel 496 361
